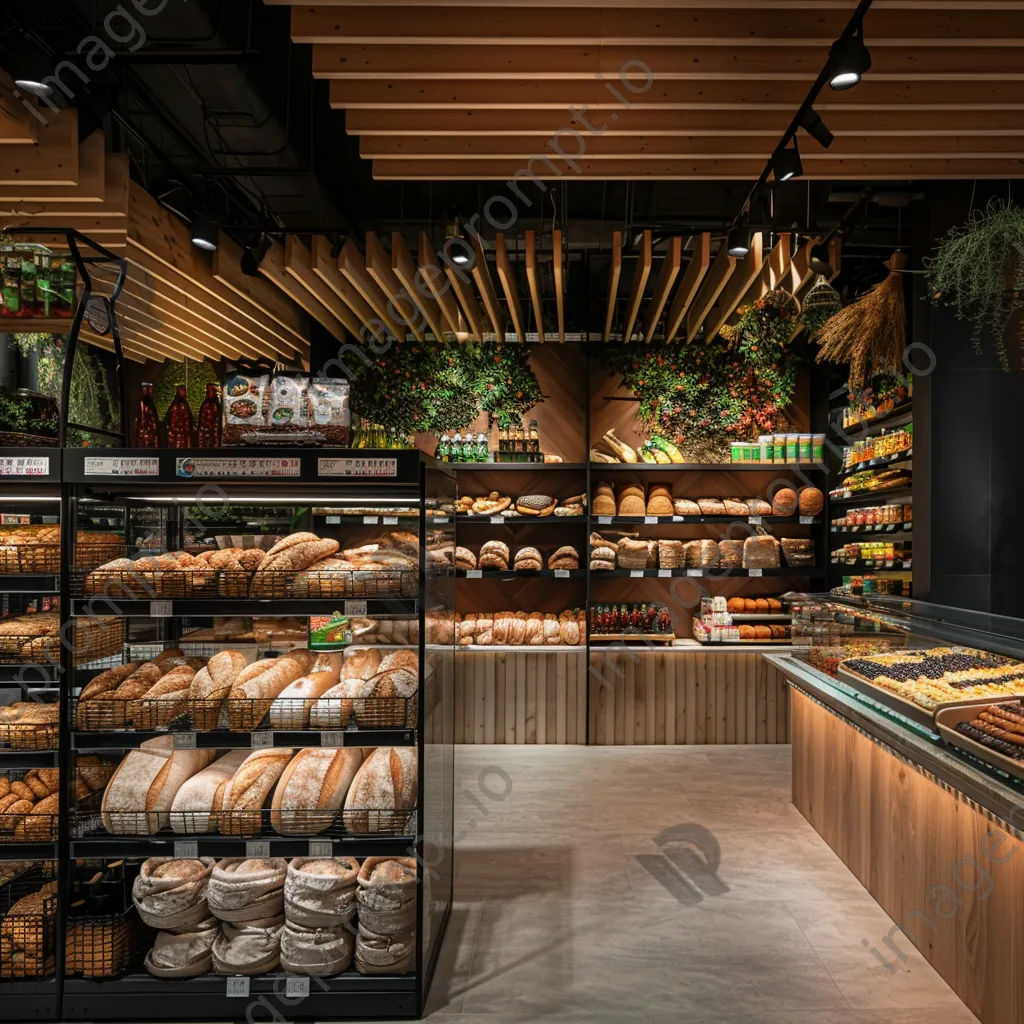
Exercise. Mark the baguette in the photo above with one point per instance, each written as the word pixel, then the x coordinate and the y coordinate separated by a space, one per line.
pixel 197 804
pixel 385 783
pixel 291 707
pixel 312 789
pixel 249 788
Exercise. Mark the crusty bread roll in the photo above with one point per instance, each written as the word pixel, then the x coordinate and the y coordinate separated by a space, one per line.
pixel 249 788
pixel 142 789
pixel 312 789
pixel 386 783
pixel 199 800
pixel 292 705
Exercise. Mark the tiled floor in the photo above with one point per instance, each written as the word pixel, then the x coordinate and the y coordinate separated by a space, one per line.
pixel 660 884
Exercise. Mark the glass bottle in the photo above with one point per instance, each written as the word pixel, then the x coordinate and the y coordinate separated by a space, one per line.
pixel 457 446
pixel 179 431
pixel 444 450
pixel 533 444
pixel 11 303
pixel 29 293
pixel 147 425
pixel 66 289
pixel 209 419
pixel 44 284
pixel 481 447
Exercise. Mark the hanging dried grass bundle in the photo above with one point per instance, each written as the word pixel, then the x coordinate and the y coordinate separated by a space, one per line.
pixel 871 333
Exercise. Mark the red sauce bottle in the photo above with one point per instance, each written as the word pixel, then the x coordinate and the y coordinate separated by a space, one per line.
pixel 209 419
pixel 147 424
pixel 178 426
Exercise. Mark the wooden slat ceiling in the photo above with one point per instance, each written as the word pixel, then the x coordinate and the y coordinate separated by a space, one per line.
pixel 453 89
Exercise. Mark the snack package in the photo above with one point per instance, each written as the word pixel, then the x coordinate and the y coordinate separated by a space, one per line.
pixel 244 404
pixel 288 409
pixel 329 410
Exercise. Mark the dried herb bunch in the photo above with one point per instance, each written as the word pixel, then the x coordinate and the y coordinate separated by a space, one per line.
pixel 979 268
pixel 871 333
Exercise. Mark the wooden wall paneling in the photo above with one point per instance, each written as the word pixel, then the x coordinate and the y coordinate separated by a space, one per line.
pixel 145 324
pixel 404 268
pixel 700 260
pixel 641 273
pixel 352 265
pixel 510 286
pixel 461 285
pixel 439 286
pixel 354 312
pixel 533 283
pixel 743 276
pixel 667 274
pixel 614 272
pixel 401 308
pixel 485 285
pixel 715 280
pixel 18 125
pixel 91 186
pixel 51 160
pixel 557 263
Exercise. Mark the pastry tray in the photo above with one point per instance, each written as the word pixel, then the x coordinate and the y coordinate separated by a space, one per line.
pixel 946 720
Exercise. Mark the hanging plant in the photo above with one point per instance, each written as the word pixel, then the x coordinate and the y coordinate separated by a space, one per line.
pixel 871 333
pixel 502 378
pixel 820 304
pixel 979 269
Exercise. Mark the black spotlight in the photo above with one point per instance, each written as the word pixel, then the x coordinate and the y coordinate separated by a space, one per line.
pixel 738 241
pixel 848 60
pixel 811 122
pixel 818 261
pixel 786 163
pixel 204 234
pixel 253 256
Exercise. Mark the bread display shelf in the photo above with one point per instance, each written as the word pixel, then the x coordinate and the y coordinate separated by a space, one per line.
pixel 37 730
pixel 896 459
pixel 899 416
pixel 103 946
pixel 870 497
pixel 28 919
pixel 697 520
pixel 804 572
pixel 708 467
pixel 889 565
pixel 92 639
pixel 17 559
pixel 520 520
pixel 215 607
pixel 127 739
pixel 97 844
pixel 888 529
pixel 512 574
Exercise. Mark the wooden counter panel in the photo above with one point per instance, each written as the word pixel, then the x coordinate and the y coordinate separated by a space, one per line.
pixel 903 835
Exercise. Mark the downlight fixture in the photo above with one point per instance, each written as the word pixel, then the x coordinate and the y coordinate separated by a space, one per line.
pixel 204 234
pixel 848 60
pixel 786 163
pixel 811 122
pixel 453 229
pixel 738 241
pixel 30 70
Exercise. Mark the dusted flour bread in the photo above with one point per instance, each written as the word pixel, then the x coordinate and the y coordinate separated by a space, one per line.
pixel 494 554
pixel 292 706
pixel 185 953
pixel 685 507
pixel 249 788
pixel 759 507
pixel 316 951
pixel 711 506
pixel 199 801
pixel 566 557
pixel 170 893
pixel 671 554
pixel 140 793
pixel 255 687
pixel 384 787
pixel 29 725
pixel 252 947
pixel 164 701
pixel 707 554
pixel 385 954
pixel 312 789
pixel 736 507
pixel 761 552
pixel 247 889
pixel 387 895
pixel 464 558
pixel 321 893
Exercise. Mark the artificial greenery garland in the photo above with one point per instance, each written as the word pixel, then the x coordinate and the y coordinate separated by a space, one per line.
pixel 979 268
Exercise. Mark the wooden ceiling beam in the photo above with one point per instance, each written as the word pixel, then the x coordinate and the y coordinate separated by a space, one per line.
pixel 696 269
pixel 744 274
pixel 485 286
pixel 52 160
pixel 774 272
pixel 557 257
pixel 671 264
pixel 533 282
pixel 510 286
pixel 354 312
pixel 614 273
pixel 436 280
pixel 715 280
pixel 642 25
pixel 352 265
pixel 641 272
pixel 404 268
pixel 92 178
pixel 401 307
pixel 330 310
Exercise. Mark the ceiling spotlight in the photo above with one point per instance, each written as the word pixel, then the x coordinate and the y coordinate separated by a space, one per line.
pixel 30 85
pixel 786 163
pixel 811 122
pixel 461 258
pixel 818 260
pixel 30 69
pixel 204 234
pixel 848 60
pixel 738 241
pixel 253 255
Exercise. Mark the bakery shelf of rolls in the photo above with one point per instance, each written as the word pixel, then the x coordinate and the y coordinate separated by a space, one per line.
pixel 28 928
pixel 496 558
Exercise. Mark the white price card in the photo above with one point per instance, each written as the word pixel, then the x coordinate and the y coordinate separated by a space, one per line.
pixel 891 528
pixel 440 520
pixel 334 520
pixel 561 574
pixel 604 520
pixel 184 741
pixel 754 520
pixel 355 608
pixel 636 574
pixel 474 574
pixel 664 573
pixel 192 468
pixel 237 987
pixel 122 467
pixel 679 519
pixel 296 988
pixel 259 849
pixel 753 572
pixel 650 519
pixel 371 520
pixel 806 520
pixel 907 565
pixel 161 609
pixel 694 572
pixel 18 466
pixel 261 739
pixel 357 467
pixel 186 849
pixel 497 520
pixel 321 848
pixel 391 520
pixel 332 738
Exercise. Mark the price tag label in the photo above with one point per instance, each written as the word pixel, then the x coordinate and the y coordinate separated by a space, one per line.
pixel 907 565
pixel 185 849
pixel 335 738
pixel 237 988
pixel 321 848
pixel 806 520
pixel 161 609
pixel 650 519
pixel 355 607
pixel 258 849
pixel 25 466
pixel 664 573
pixel 753 572
pixel 391 520
pixel 754 520
pixel 561 574
pixel 334 520
pixel 371 520
pixel 474 574
pixel 636 574
pixel 497 520
pixel 604 520
pixel 694 572
pixel 296 988
pixel 261 739
pixel 184 741
pixel 678 519
pixel 441 520
pixel 891 528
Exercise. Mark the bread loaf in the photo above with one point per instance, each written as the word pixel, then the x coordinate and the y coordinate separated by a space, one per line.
pixel 211 685
pixel 385 786
pixel 253 692
pixel 198 802
pixel 249 788
pixel 292 706
pixel 312 789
